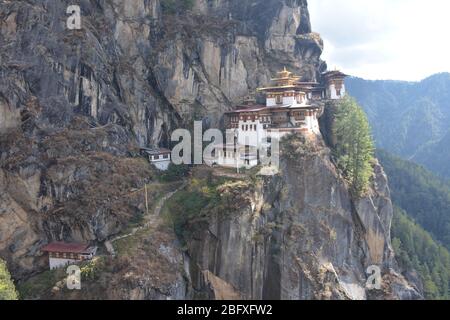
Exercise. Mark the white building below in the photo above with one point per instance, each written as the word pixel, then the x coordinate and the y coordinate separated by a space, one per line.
pixel 62 254
pixel 159 157
pixel 234 156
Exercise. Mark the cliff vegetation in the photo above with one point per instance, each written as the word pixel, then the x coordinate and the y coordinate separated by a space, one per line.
pixel 7 288
pixel 354 149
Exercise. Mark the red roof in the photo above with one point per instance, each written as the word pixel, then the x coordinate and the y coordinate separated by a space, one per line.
pixel 66 247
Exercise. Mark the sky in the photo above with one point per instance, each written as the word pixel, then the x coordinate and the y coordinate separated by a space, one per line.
pixel 384 39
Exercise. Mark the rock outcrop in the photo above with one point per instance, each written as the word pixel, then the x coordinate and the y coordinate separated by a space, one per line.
pixel 300 235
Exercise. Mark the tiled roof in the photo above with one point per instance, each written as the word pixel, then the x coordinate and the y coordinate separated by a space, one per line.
pixel 66 247
pixel 334 73
pixel 156 151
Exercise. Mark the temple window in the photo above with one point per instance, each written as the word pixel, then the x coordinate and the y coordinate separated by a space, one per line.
pixel 279 99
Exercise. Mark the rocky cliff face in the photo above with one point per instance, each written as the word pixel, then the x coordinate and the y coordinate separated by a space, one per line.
pixel 135 66
pixel 76 105
pixel 300 235
pixel 72 102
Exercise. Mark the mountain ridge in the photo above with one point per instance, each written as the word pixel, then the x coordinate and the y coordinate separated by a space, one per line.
pixel 415 113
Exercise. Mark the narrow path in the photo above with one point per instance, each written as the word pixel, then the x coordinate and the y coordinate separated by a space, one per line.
pixel 150 219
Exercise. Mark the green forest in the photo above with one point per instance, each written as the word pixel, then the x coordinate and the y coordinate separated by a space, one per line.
pixel 416 249
pixel 421 223
pixel 421 194
pixel 409 119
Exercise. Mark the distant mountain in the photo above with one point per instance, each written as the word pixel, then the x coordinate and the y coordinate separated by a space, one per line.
pixel 421 223
pixel 410 119
pixel 436 156
pixel 416 249
pixel 424 196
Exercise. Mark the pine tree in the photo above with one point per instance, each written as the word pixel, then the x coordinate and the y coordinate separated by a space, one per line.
pixel 355 147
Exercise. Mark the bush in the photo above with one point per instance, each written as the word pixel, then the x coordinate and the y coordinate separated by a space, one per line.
pixel 192 205
pixel 92 269
pixel 174 173
pixel 7 289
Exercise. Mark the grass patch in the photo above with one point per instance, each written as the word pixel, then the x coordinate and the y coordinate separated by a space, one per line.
pixel 174 173
pixel 202 198
pixel 41 284
pixel 189 204
pixel 129 245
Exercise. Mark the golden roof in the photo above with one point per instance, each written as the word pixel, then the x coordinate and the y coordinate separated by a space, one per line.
pixel 285 81
pixel 285 75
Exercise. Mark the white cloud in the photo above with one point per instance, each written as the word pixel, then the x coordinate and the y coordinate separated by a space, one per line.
pixel 384 39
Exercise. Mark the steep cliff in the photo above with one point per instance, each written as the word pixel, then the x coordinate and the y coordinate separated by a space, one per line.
pixel 298 235
pixel 74 103
pixel 135 66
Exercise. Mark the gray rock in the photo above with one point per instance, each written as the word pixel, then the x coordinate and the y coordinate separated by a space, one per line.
pixel 301 235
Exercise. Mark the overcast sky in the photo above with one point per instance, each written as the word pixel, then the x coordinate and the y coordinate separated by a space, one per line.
pixel 384 39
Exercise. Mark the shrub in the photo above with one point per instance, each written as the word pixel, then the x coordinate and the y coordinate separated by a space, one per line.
pixel 7 289
pixel 174 173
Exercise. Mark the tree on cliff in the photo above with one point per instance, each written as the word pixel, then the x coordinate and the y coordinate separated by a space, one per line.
pixel 355 148
pixel 7 289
